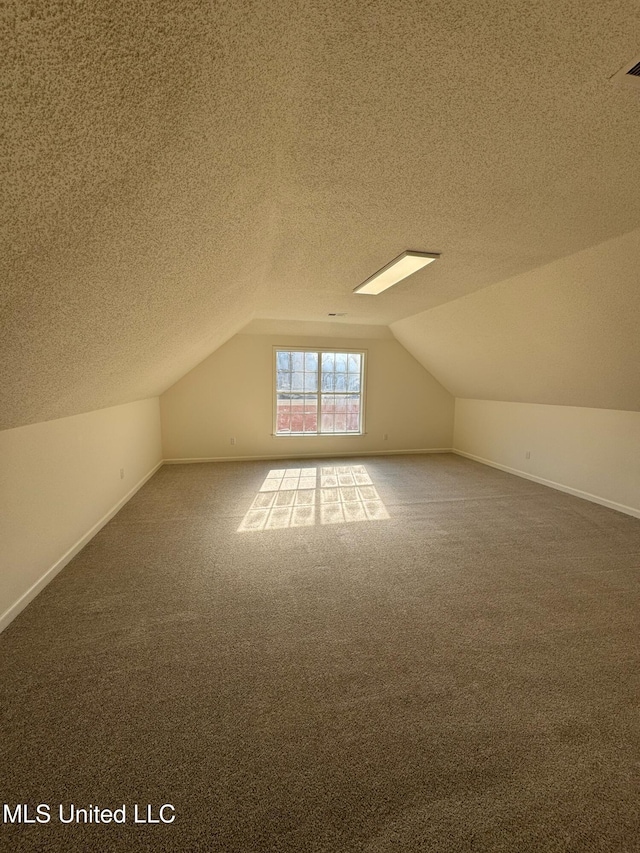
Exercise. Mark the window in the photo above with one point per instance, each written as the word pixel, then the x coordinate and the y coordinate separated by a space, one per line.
pixel 318 392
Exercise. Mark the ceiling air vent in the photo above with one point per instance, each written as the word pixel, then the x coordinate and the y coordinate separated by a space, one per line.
pixel 629 73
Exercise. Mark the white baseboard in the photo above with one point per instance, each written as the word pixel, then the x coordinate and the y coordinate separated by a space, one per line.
pixel 596 499
pixel 276 457
pixel 10 614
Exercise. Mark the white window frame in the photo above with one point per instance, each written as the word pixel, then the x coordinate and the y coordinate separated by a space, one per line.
pixel 363 353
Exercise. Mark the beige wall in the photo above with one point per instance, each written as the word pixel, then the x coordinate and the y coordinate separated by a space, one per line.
pixel 231 395
pixel 58 480
pixel 592 452
pixel 564 334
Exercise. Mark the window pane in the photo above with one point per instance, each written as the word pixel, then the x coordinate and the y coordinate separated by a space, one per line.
pixel 311 422
pixel 310 413
pixel 311 361
pixel 297 381
pixel 353 382
pixel 341 422
pixel 341 362
pixel 284 380
pixel 353 362
pixel 340 404
pixel 283 413
pixel 328 408
pixel 297 412
pixel 327 422
pixel 327 361
pixel 353 414
pixel 328 403
pixel 297 360
pixel 328 381
pixel 310 381
pixel 283 360
pixel 341 382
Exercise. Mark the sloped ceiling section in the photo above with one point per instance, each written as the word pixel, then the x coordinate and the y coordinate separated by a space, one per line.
pixel 565 334
pixel 137 213
pixel 172 168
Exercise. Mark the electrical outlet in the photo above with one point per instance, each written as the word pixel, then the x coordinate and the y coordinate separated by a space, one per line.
pixel 122 473
pixel 233 441
pixel 527 455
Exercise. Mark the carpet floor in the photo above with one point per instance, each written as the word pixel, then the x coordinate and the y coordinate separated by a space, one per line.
pixel 412 653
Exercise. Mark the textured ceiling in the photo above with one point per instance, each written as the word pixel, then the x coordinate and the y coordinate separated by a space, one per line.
pixel 171 169
pixel 336 329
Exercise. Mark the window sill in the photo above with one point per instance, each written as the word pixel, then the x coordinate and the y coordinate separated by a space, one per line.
pixel 318 434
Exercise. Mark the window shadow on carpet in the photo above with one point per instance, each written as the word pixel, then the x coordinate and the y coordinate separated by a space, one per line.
pixel 304 497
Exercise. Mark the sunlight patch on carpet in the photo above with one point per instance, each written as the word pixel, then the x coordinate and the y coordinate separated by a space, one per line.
pixel 303 497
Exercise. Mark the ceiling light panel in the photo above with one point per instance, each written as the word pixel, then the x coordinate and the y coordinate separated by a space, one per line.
pixel 405 264
pixel 629 74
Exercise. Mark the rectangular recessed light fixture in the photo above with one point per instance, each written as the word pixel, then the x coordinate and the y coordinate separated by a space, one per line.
pixel 629 73
pixel 397 269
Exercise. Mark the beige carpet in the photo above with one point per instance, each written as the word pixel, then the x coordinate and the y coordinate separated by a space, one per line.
pixel 462 675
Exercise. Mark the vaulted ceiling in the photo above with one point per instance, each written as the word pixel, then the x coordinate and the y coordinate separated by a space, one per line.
pixel 171 169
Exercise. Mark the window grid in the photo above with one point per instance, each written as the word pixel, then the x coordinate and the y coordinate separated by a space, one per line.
pixel 319 392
